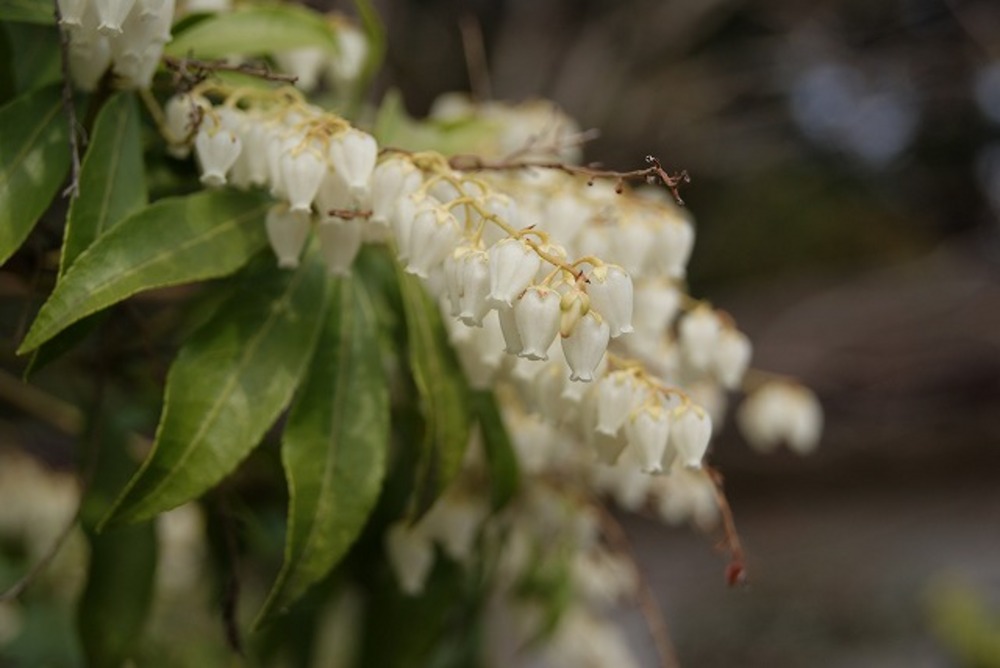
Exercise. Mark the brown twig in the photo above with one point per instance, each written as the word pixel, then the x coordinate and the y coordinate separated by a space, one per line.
pixel 736 574
pixel 651 174
pixel 189 72
pixel 348 214
pixel 73 189
pixel 646 599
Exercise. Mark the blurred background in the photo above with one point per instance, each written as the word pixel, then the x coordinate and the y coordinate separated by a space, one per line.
pixel 845 162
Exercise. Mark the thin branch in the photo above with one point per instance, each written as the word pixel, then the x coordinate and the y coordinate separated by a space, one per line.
pixel 62 415
pixel 736 573
pixel 652 174
pixel 646 599
pixel 73 189
pixel 189 72
pixel 348 214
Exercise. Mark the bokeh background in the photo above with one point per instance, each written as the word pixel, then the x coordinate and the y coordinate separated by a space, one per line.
pixel 845 157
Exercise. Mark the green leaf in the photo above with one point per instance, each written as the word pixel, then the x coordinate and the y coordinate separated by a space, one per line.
pixel 34 158
pixel 256 30
pixel 27 11
pixel 119 592
pixel 37 49
pixel 112 177
pixel 227 386
pixel 504 472
pixel 176 240
pixel 334 446
pixel 443 394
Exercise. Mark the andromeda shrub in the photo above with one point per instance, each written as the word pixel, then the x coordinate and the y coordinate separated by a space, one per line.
pixel 422 355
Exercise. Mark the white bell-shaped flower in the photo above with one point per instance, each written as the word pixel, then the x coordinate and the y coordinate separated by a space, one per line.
pixel 353 154
pixel 473 274
pixel 71 12
pixel 305 64
pixel 303 170
pixel 688 496
pixel 673 246
pixel 339 243
pixel 287 231
pixel 631 247
pixel 648 432
pixel 690 433
pixel 434 234
pixel 454 522
pixel 352 50
pixel 574 304
pixel 585 347
pixel 508 325
pixel 610 291
pixel 217 148
pixel 699 335
pixel 513 265
pixel 137 69
pixel 251 167
pixel 505 209
pixel 411 556
pixel 732 357
pixel 401 223
pixel 618 394
pixel 537 315
pixel 565 215
pixel 332 195
pixel 781 412
pixel 89 61
pixel 112 14
pixel 392 180
pixel 182 114
pixel 656 304
pixel 276 143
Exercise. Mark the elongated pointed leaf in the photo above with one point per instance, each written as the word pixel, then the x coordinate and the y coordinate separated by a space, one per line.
pixel 252 31
pixel 27 11
pixel 334 446
pixel 34 158
pixel 37 50
pixel 227 386
pixel 112 177
pixel 504 473
pixel 176 240
pixel 443 394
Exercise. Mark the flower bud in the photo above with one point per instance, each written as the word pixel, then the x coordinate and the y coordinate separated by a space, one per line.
pixel 585 346
pixel 287 231
pixel 781 412
pixel 537 316
pixel 513 265
pixel 690 433
pixel 302 170
pixel 411 556
pixel 353 154
pixel 610 291
pixel 339 242
pixel 647 432
pixel 699 334
pixel 217 149
pixel 732 356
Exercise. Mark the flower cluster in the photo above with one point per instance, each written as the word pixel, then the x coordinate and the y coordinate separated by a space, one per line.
pixel 126 35
pixel 562 292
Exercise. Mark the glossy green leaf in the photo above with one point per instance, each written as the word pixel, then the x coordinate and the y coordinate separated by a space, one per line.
pixel 176 240
pixel 34 158
pixel 227 386
pixel 37 64
pixel 27 11
pixel 112 177
pixel 443 394
pixel 503 469
pixel 120 576
pixel 254 30
pixel 334 445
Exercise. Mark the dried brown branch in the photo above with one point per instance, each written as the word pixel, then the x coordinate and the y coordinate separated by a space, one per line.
pixel 652 174
pixel 189 72
pixel 348 214
pixel 736 574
